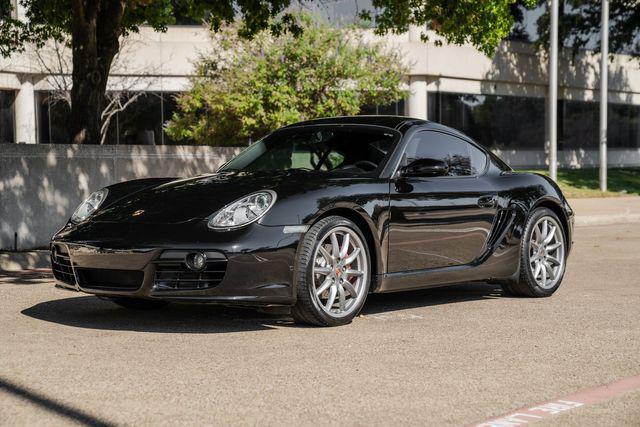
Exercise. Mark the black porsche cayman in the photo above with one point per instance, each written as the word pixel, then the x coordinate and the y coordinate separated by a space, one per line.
pixel 316 216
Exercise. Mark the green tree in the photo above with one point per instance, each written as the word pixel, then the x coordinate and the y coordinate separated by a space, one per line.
pixel 96 27
pixel 482 23
pixel 579 26
pixel 249 87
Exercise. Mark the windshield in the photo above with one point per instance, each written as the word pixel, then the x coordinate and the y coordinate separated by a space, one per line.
pixel 353 149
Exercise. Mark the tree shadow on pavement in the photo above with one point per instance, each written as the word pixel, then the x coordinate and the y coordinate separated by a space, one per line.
pixel 94 313
pixel 71 414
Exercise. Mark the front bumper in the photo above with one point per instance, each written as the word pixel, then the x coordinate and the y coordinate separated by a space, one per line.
pixel 251 266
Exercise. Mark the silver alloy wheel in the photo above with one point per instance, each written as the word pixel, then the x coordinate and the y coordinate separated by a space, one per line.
pixel 340 272
pixel 546 252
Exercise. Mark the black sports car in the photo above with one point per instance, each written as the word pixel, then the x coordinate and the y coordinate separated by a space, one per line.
pixel 317 215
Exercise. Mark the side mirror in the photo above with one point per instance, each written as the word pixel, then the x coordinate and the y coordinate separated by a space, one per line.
pixel 425 167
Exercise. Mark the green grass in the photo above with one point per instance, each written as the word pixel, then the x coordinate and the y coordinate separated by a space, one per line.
pixel 584 182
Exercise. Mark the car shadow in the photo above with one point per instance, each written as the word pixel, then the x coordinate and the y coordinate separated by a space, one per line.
pixel 94 313
pixel 385 303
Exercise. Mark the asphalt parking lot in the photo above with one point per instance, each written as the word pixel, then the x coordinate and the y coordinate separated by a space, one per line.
pixel 451 356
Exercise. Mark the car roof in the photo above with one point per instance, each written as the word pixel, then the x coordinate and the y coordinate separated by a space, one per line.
pixel 392 122
pixel 399 123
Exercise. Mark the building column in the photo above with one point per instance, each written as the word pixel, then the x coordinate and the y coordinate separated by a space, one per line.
pixel 19 11
pixel 415 33
pixel 417 97
pixel 25 113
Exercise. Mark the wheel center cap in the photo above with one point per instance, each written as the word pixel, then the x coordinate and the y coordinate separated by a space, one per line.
pixel 338 271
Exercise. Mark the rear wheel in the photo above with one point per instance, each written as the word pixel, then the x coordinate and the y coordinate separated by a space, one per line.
pixel 138 303
pixel 543 254
pixel 333 273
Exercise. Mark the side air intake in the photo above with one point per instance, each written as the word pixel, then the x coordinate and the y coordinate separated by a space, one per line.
pixel 501 224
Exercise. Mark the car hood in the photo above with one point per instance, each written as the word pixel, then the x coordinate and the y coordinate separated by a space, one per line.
pixel 189 199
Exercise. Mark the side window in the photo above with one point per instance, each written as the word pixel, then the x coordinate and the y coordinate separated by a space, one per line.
pixel 478 159
pixel 463 158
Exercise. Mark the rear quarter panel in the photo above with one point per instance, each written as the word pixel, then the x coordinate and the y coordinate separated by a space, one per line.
pixel 523 192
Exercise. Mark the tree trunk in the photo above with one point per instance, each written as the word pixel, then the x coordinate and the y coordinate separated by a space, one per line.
pixel 96 29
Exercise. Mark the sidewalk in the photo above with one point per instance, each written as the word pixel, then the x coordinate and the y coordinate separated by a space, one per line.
pixel 596 211
pixel 606 210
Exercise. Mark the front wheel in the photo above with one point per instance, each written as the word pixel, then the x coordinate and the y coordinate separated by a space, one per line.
pixel 333 273
pixel 543 256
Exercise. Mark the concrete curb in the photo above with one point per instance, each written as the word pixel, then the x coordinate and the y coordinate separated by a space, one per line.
pixel 25 261
pixel 628 218
pixel 606 210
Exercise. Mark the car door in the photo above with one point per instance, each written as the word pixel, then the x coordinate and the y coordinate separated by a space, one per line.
pixel 440 221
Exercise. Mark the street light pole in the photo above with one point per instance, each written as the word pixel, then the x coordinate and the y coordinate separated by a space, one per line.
pixel 604 68
pixel 553 91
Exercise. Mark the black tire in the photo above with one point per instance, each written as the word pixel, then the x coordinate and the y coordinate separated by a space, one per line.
pixel 138 303
pixel 307 310
pixel 526 285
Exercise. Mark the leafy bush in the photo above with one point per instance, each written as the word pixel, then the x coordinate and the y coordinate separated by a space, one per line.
pixel 247 88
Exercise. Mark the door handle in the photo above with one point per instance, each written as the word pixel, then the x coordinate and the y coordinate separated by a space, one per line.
pixel 487 202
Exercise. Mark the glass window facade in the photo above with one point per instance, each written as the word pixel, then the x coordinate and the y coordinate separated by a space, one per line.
pixel 10 10
pixel 7 116
pixel 495 121
pixel 623 126
pixel 515 122
pixel 141 123
pixel 579 124
pixel 503 122
pixel 53 115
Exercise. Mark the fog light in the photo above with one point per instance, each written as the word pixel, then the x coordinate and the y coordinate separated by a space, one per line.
pixel 196 261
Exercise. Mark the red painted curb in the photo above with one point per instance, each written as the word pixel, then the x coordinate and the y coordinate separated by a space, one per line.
pixel 540 411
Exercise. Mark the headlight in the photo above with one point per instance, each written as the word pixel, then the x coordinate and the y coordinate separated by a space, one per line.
pixel 89 206
pixel 243 211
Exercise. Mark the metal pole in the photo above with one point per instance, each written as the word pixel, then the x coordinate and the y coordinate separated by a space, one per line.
pixel 604 49
pixel 553 92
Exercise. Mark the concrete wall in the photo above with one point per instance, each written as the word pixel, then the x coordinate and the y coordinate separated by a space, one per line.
pixel 538 159
pixel 148 60
pixel 41 185
pixel 515 68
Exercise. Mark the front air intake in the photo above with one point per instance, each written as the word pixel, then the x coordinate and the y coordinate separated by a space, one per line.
pixel 175 271
pixel 61 265
pixel 103 279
